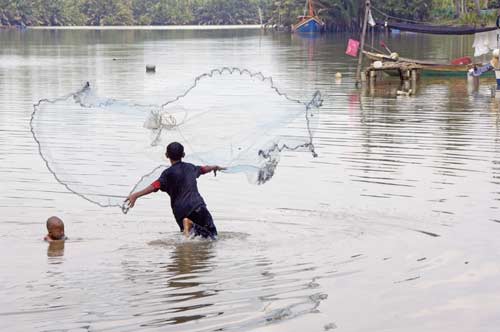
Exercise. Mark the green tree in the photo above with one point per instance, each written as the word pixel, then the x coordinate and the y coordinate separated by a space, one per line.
pixel 338 14
pixel 143 11
pixel 107 12
pixel 56 12
pixel 15 12
pixel 119 12
pixel 418 10
pixel 343 14
pixel 172 12
pixel 228 12
pixel 285 12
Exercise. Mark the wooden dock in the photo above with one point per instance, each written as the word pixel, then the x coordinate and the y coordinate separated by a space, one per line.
pixel 404 70
pixel 408 69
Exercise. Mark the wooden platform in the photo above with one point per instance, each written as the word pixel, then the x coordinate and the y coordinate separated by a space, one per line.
pixel 407 68
pixel 404 70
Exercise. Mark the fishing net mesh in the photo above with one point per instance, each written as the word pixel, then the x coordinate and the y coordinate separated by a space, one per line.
pixel 102 148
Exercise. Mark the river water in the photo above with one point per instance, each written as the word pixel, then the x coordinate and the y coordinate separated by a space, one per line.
pixel 393 227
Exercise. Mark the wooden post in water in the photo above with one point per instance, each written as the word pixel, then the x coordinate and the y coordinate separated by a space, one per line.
pixel 363 35
pixel 260 17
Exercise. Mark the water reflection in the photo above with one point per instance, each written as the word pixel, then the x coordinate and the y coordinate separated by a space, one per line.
pixel 221 289
pixel 55 249
pixel 188 259
pixel 174 292
pixel 426 163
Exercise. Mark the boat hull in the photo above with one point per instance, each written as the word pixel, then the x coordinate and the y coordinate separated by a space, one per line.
pixel 309 25
pixel 447 73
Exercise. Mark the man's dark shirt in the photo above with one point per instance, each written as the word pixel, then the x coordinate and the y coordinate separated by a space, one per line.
pixel 179 181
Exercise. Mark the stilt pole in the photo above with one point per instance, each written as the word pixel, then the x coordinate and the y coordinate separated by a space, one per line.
pixel 363 35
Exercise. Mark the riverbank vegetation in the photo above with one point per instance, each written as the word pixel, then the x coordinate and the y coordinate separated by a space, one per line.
pixel 338 14
pixel 132 12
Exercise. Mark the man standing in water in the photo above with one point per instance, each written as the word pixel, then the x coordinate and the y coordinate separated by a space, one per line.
pixel 179 181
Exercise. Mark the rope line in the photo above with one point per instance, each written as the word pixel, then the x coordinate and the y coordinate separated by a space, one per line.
pixel 76 96
pixel 398 18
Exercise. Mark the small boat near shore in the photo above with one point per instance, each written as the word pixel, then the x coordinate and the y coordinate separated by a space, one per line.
pixel 309 22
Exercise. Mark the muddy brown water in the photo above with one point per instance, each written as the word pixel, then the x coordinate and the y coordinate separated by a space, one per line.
pixel 393 227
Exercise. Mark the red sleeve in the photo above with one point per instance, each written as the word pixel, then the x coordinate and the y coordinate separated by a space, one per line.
pixel 156 185
pixel 204 170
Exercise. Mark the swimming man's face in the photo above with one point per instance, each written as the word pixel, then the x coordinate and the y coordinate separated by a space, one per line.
pixel 56 233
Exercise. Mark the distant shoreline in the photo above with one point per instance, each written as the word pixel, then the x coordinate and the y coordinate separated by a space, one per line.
pixel 149 27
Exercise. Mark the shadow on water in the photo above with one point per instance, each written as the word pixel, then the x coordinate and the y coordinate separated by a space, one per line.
pixel 208 283
pixel 187 260
pixel 55 249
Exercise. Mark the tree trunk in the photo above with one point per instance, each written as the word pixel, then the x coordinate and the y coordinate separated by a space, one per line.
pixel 457 8
pixel 478 7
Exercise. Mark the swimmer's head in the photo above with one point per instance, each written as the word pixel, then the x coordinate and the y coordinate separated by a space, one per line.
pixel 175 151
pixel 55 228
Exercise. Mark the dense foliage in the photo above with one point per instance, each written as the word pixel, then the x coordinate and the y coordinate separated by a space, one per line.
pixel 128 12
pixel 418 10
pixel 338 14
pixel 348 14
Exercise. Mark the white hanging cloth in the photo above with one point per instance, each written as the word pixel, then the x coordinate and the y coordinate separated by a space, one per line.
pixel 484 42
pixel 371 21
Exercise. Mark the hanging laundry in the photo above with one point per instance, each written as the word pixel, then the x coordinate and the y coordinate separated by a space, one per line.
pixel 371 21
pixel 484 42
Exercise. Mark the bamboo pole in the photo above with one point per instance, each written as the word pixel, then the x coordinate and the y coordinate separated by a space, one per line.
pixel 363 34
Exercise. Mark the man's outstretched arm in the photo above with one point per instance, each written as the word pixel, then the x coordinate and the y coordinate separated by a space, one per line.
pixel 208 169
pixel 146 191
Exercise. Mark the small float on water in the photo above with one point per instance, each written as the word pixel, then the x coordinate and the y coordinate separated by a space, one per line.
pixel 309 22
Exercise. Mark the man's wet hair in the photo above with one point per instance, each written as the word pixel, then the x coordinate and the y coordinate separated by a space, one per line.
pixel 54 222
pixel 175 151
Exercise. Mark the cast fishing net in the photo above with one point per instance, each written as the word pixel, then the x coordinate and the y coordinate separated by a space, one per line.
pixel 102 148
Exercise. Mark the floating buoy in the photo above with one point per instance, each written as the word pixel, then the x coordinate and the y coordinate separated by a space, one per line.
pixel 338 75
pixel 150 68
pixel 394 56
pixel 404 93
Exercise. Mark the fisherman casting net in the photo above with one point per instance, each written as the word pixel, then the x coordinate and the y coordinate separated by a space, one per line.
pixel 102 149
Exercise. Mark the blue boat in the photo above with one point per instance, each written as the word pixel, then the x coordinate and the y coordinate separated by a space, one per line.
pixel 309 23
